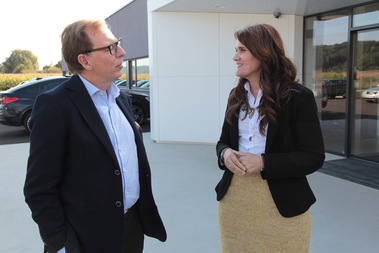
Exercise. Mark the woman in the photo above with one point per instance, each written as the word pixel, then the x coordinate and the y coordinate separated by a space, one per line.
pixel 271 139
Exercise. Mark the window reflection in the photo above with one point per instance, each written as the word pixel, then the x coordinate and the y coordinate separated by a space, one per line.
pixel 142 69
pixel 326 73
pixel 366 15
pixel 137 70
pixel 365 141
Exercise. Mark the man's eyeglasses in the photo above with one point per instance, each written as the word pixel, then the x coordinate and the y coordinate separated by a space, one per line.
pixel 112 48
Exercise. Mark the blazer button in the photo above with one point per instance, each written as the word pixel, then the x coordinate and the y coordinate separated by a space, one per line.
pixel 117 172
pixel 118 203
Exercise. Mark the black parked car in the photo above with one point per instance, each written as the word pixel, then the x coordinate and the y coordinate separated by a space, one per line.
pixel 335 87
pixel 140 95
pixel 16 103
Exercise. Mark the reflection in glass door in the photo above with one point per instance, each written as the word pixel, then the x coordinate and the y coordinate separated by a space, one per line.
pixel 325 72
pixel 365 123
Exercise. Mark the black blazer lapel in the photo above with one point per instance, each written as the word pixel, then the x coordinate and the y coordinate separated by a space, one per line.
pixel 88 111
pixel 234 133
pixel 273 126
pixel 271 131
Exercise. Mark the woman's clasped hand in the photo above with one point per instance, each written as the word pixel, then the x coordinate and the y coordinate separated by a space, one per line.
pixel 241 163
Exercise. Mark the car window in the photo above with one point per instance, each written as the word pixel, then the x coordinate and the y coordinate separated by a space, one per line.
pixel 50 85
pixel 33 89
pixel 145 85
pixel 122 83
pixel 140 83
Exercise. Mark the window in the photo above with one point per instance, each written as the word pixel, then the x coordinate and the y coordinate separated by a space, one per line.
pixel 341 66
pixel 366 15
pixel 325 67
pixel 138 71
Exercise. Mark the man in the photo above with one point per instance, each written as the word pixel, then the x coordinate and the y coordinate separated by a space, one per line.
pixel 88 180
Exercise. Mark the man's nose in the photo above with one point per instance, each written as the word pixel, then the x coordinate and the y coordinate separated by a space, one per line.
pixel 121 52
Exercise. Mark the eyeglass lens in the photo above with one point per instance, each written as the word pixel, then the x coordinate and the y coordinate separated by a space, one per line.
pixel 113 47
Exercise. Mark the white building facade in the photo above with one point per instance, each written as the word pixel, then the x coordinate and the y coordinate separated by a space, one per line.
pixel 191 45
pixel 192 70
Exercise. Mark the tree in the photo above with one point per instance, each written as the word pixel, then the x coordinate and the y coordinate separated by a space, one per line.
pixel 21 61
pixel 51 69
pixel 58 65
pixel 57 68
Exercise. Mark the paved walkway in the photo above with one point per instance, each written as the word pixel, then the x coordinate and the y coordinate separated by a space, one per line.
pixel 344 219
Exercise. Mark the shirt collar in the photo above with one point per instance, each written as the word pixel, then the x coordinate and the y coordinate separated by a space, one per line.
pixel 113 90
pixel 251 97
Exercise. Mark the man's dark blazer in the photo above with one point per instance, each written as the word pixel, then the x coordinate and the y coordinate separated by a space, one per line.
pixel 294 149
pixel 73 184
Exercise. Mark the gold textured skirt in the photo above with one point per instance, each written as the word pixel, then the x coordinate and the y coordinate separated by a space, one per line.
pixel 250 222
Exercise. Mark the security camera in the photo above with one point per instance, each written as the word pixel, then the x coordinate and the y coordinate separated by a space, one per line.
pixel 277 14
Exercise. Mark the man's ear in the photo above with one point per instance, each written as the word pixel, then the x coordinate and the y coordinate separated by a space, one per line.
pixel 84 61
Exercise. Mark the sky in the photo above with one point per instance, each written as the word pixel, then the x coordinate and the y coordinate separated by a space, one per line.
pixel 36 25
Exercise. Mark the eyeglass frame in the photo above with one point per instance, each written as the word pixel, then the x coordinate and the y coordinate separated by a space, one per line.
pixel 116 44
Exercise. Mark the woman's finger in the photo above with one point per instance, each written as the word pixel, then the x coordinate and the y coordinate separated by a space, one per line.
pixel 236 170
pixel 233 164
pixel 238 153
pixel 236 167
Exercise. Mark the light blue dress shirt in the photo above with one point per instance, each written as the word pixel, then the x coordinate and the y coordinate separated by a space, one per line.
pixel 122 137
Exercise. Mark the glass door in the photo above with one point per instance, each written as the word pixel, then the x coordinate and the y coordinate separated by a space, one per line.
pixel 365 95
pixel 325 72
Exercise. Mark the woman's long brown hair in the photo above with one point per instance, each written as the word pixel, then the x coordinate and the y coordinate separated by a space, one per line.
pixel 278 73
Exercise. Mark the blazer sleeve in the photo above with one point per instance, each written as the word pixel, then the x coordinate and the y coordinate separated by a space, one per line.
pixel 224 142
pixel 44 170
pixel 298 147
pixel 228 138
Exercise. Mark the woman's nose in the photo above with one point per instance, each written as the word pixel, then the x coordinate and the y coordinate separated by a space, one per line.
pixel 235 57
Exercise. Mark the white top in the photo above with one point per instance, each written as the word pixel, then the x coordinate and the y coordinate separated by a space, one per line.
pixel 250 139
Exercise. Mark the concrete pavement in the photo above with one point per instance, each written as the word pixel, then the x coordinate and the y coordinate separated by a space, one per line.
pixel 344 219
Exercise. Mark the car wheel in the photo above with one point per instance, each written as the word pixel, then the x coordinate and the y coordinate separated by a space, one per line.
pixel 138 114
pixel 324 101
pixel 26 122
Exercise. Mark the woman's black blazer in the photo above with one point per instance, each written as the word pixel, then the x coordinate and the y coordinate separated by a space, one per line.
pixel 294 149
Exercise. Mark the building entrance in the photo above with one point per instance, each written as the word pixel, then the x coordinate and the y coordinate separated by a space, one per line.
pixel 365 95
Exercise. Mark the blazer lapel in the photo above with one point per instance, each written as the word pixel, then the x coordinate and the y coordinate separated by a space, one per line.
pixel 271 131
pixel 234 132
pixel 87 109
pixel 272 127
